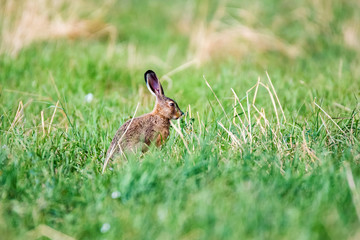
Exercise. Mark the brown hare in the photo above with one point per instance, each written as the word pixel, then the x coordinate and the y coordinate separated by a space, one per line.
pixel 152 128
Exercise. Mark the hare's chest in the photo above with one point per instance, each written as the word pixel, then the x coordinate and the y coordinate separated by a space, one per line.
pixel 160 132
pixel 161 137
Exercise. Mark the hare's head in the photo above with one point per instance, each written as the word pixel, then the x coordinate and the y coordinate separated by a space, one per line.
pixel 164 106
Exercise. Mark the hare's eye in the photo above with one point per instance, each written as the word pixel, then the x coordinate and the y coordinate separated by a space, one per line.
pixel 172 104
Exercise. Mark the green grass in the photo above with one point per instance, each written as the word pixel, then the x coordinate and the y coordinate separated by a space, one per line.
pixel 291 180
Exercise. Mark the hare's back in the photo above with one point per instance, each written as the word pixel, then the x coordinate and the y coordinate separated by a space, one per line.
pixel 134 131
pixel 137 133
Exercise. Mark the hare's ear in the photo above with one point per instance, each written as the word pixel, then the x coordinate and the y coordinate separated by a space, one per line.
pixel 153 83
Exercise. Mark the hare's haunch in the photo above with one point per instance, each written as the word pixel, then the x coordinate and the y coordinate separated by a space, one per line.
pixel 138 133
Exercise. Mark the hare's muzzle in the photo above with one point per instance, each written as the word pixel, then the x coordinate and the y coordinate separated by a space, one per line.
pixel 179 114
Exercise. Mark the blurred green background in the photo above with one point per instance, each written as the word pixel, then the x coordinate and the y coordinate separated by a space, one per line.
pixel 71 72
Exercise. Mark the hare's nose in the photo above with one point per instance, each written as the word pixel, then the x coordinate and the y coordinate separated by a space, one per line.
pixel 182 113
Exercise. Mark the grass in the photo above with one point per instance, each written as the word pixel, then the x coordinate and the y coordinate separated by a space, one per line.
pixel 236 167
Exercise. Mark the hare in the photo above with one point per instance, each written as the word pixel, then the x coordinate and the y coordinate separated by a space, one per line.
pixel 152 128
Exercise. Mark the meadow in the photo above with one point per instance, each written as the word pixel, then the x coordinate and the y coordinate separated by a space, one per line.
pixel 268 149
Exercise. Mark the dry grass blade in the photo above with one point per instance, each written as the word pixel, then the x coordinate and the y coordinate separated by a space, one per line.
pixel 179 69
pixel 262 115
pixel 233 137
pixel 18 116
pixel 40 97
pixel 277 99
pixel 108 157
pixel 200 132
pixel 354 192
pixel 48 232
pixel 236 116
pixel 342 107
pixel 242 108
pixel 256 90
pixel 327 130
pixel 178 130
pixel 244 128
pixel 217 99
pixel 273 102
pixel 43 123
pixel 332 120
pixel 249 117
pixel 52 117
pixel 309 151
pixel 261 124
pixel 54 84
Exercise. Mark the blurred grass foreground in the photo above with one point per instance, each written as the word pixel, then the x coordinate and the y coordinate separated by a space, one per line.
pixel 268 149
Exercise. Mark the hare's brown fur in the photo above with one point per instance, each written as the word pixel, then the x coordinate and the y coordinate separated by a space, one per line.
pixel 142 131
pixel 152 128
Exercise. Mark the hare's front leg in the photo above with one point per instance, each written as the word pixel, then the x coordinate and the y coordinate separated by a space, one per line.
pixel 161 138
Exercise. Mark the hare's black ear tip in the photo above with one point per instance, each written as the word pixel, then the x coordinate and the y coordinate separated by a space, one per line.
pixel 151 72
